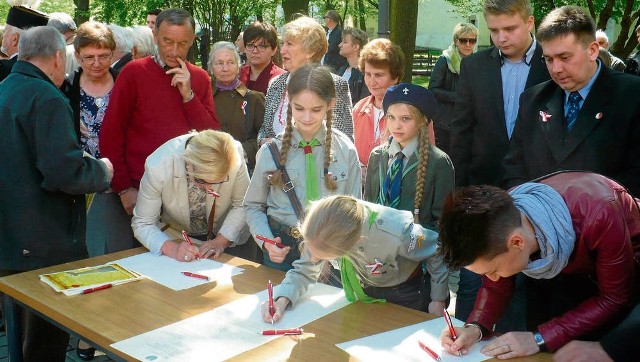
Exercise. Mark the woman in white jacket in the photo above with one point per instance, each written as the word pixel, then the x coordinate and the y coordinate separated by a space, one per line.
pixel 196 183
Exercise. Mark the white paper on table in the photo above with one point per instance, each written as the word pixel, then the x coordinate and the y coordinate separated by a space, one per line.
pixel 168 271
pixel 228 330
pixel 402 344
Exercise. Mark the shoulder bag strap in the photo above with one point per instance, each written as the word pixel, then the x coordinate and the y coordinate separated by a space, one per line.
pixel 288 187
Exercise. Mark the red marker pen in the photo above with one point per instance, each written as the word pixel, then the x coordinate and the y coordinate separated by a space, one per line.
pixel 272 308
pixel 431 353
pixel 284 332
pixel 194 275
pixel 452 331
pixel 188 240
pixel 270 241
pixel 95 289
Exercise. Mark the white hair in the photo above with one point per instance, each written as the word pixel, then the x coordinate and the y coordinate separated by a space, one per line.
pixel 143 40
pixel 123 38
pixel 602 34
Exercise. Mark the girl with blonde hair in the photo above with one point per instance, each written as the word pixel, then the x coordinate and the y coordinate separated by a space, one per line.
pixel 313 160
pixel 377 249
pixel 408 172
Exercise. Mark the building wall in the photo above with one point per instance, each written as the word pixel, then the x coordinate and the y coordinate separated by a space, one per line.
pixel 436 20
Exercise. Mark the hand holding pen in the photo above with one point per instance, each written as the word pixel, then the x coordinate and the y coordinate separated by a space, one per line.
pixel 272 308
pixel 456 341
pixel 277 251
pixel 190 252
pixel 279 305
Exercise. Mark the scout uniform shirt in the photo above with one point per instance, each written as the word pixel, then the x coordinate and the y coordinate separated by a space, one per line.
pixel 391 239
pixel 262 199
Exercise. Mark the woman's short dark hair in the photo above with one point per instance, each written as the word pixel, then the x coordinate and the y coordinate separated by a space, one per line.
pixel 358 36
pixel 475 223
pixel 261 30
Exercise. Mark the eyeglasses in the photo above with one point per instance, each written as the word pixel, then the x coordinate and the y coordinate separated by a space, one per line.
pixel 259 47
pixel 229 64
pixel 101 58
pixel 471 41
pixel 200 181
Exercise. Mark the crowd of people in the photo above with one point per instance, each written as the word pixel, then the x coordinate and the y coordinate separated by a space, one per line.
pixel 517 168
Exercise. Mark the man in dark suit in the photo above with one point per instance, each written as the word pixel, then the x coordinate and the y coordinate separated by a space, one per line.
pixel 598 131
pixel 333 58
pixel 488 90
pixel 18 18
pixel 490 85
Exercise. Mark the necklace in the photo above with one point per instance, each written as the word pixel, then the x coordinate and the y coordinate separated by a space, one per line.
pixel 99 102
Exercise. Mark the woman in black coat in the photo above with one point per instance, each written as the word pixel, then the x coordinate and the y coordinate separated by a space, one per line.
pixel 445 76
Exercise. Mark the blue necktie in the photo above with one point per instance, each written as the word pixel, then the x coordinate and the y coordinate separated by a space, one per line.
pixel 393 181
pixel 573 107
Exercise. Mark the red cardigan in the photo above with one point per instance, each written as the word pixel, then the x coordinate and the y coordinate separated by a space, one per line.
pixel 262 82
pixel 607 225
pixel 145 111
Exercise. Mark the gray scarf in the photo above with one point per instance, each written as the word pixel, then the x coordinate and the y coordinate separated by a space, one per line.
pixel 551 220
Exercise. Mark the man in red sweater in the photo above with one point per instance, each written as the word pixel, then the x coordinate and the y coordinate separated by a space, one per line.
pixel 154 100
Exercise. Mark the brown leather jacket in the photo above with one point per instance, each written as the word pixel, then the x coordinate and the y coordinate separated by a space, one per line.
pixel 606 220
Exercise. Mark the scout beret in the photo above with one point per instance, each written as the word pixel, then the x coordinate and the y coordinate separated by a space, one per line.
pixel 23 17
pixel 414 95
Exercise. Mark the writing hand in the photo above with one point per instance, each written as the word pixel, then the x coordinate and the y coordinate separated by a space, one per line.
pixel 280 305
pixel 467 337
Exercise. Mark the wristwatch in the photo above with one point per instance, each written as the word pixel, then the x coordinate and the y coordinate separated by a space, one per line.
pixel 540 341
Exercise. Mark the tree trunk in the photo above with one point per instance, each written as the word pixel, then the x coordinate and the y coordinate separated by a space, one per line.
pixel 404 19
pixel 605 15
pixel 624 45
pixel 291 7
pixel 362 21
pixel 82 11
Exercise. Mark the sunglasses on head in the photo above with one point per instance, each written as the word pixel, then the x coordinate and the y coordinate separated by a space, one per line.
pixel 467 40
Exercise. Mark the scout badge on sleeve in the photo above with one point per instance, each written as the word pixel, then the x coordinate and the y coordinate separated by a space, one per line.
pixel 416 238
pixel 374 268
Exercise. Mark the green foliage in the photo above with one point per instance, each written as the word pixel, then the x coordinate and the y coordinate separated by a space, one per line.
pixel 48 6
pixel 123 12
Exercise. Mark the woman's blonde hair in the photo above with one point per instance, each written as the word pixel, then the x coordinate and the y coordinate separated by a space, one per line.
pixel 334 224
pixel 212 154
pixel 464 28
pixel 310 34
pixel 317 79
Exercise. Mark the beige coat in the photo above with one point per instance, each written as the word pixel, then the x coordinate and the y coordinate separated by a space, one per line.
pixel 162 199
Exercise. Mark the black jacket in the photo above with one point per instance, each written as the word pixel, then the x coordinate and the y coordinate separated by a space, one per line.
pixel 43 174
pixel 479 138
pixel 357 88
pixel 604 138
pixel 443 86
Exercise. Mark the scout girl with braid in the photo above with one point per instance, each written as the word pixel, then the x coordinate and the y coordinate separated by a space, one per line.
pixel 377 249
pixel 408 172
pixel 318 160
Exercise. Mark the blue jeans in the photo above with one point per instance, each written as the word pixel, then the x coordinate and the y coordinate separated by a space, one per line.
pixel 513 319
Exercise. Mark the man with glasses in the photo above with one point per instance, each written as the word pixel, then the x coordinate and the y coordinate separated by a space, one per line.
pixel 484 115
pixel 261 45
pixel 333 58
pixel 153 100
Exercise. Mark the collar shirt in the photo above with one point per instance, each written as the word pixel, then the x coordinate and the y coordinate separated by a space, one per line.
pixel 514 79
